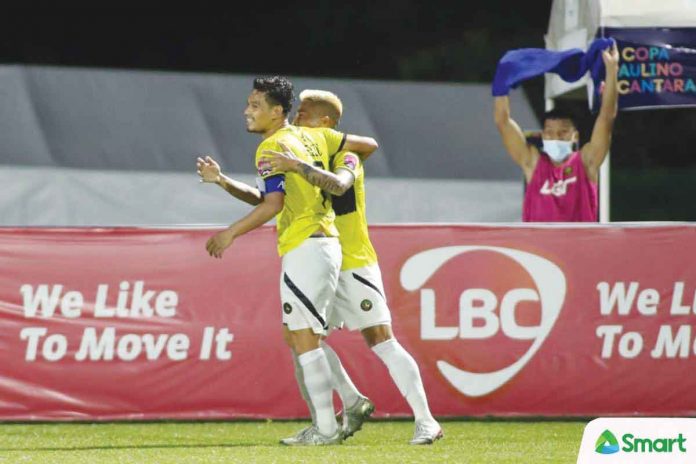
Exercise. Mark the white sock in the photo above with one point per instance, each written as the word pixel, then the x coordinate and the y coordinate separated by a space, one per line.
pixel 404 371
pixel 299 376
pixel 340 380
pixel 317 380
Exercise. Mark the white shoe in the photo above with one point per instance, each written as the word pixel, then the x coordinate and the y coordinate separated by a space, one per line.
pixel 427 433
pixel 354 416
pixel 297 438
pixel 312 437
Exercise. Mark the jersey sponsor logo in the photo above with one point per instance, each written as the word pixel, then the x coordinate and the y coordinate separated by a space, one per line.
pixel 264 168
pixel 506 298
pixel 350 161
pixel 366 305
pixel 558 189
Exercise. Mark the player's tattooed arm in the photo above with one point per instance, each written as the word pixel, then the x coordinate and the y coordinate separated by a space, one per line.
pixel 209 171
pixel 286 161
pixel 335 184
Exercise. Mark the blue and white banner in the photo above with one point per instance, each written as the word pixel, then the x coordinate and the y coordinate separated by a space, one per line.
pixel 657 67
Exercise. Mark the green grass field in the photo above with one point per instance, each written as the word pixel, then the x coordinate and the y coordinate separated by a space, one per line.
pixel 247 442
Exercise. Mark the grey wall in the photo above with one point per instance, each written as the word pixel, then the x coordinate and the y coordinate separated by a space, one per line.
pixel 138 133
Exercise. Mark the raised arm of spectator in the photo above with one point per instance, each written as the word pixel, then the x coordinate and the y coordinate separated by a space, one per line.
pixel 513 138
pixel 596 150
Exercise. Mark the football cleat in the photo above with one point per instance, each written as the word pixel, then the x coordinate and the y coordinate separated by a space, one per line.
pixel 354 416
pixel 295 439
pixel 427 433
pixel 312 437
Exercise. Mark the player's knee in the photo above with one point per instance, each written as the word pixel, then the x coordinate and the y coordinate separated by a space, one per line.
pixel 287 336
pixel 377 334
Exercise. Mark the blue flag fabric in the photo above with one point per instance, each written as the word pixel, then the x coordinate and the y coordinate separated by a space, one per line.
pixel 522 64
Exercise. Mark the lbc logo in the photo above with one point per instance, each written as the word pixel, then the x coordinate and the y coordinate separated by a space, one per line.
pixel 484 313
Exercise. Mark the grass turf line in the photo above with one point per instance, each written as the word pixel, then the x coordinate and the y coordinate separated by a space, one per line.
pixel 249 442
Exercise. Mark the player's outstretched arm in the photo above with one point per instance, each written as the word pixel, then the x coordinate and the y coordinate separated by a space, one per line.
pixel 596 150
pixel 363 146
pixel 513 138
pixel 334 183
pixel 209 171
pixel 271 205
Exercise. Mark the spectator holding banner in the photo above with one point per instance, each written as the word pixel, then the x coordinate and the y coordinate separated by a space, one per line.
pixel 561 178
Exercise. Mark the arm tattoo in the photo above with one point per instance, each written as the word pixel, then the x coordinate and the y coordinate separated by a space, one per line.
pixel 327 181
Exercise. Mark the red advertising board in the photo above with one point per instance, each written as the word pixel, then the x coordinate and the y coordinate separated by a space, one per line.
pixel 128 323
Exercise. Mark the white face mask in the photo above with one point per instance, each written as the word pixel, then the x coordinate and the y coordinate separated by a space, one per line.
pixel 558 150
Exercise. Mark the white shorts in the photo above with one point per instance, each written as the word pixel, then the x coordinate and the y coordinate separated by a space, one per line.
pixel 308 283
pixel 360 299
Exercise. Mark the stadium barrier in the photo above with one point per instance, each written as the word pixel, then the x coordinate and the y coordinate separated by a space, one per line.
pixel 128 323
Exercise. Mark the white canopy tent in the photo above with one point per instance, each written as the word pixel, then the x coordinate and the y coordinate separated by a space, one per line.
pixel 575 23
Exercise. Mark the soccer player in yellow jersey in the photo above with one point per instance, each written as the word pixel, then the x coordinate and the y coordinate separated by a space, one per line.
pixel 307 243
pixel 361 301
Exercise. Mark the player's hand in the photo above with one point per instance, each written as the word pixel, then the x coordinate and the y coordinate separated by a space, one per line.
pixel 281 161
pixel 611 58
pixel 208 169
pixel 219 242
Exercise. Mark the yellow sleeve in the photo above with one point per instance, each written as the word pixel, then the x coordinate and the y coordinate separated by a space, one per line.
pixel 347 160
pixel 263 168
pixel 334 140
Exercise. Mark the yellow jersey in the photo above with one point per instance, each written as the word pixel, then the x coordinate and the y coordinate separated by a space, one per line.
pixel 351 219
pixel 306 209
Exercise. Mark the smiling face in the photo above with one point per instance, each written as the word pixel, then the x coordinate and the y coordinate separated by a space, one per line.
pixel 259 113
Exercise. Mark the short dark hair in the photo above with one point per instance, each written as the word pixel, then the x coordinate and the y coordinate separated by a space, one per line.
pixel 557 114
pixel 278 90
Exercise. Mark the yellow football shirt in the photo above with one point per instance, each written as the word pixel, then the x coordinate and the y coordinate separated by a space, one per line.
pixel 351 219
pixel 306 209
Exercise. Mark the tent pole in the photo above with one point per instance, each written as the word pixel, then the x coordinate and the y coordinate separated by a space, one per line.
pixel 604 176
pixel 549 104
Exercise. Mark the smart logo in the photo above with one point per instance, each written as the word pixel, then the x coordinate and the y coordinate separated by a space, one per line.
pixel 607 443
pixel 639 440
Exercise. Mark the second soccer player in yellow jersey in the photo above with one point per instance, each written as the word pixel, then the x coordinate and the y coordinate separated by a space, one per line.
pixel 361 301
